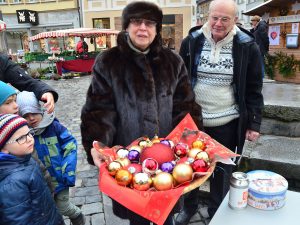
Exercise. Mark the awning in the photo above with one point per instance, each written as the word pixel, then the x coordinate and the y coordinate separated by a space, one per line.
pixel 2 26
pixel 266 7
pixel 75 32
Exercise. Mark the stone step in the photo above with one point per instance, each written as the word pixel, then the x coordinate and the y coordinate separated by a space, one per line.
pixel 275 153
pixel 280 128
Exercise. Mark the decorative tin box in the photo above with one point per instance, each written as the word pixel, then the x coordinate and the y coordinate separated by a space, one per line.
pixel 267 190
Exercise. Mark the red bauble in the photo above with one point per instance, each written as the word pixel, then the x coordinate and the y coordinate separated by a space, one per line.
pixel 181 149
pixel 159 152
pixel 199 165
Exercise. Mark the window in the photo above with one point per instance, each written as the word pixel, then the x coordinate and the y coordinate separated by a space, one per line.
pixel 168 31
pixel 103 41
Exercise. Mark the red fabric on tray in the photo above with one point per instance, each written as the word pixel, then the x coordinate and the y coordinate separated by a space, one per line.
pixel 76 65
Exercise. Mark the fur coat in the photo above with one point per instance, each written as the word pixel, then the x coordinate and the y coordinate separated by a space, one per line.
pixel 134 94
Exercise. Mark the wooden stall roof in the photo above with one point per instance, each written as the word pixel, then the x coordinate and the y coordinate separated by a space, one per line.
pixel 266 7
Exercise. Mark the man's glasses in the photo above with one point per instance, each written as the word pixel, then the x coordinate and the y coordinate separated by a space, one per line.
pixel 138 22
pixel 22 139
pixel 223 19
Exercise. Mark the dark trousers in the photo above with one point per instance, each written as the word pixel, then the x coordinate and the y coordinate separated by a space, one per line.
pixel 219 181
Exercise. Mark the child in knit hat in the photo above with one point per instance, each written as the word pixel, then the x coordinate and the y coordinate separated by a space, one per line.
pixel 57 149
pixel 24 196
pixel 8 96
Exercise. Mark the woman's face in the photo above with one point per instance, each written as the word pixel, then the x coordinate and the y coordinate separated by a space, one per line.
pixel 141 32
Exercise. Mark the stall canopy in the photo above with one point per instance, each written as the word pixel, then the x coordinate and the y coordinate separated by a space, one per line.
pixel 2 26
pixel 265 7
pixel 76 32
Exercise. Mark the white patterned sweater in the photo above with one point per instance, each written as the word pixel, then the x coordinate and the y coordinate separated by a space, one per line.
pixel 213 88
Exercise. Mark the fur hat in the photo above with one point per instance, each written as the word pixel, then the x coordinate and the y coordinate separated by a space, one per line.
pixel 142 10
pixel 5 92
pixel 28 103
pixel 9 124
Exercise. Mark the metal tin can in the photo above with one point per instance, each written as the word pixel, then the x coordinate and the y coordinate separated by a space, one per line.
pixel 238 192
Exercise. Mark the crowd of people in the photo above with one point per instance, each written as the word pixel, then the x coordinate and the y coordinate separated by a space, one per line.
pixel 138 88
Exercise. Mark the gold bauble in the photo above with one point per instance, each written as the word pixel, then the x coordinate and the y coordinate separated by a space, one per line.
pixel 163 181
pixel 203 155
pixel 198 144
pixel 141 181
pixel 123 177
pixel 113 167
pixel 193 152
pixel 136 147
pixel 155 139
pixel 182 172
pixel 125 162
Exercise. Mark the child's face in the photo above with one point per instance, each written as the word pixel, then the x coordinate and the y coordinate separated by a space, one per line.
pixel 21 143
pixel 33 119
pixel 10 106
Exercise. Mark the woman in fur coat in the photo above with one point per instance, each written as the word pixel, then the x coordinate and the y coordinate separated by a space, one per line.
pixel 139 88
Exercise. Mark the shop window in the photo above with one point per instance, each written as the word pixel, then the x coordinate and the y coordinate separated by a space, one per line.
pixel 168 31
pixel 102 41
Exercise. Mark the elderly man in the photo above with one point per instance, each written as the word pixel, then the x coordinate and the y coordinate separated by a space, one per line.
pixel 224 64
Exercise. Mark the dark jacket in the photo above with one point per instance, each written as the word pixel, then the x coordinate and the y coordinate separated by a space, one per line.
pixel 24 195
pixel 57 149
pixel 11 72
pixel 261 36
pixel 132 95
pixel 247 82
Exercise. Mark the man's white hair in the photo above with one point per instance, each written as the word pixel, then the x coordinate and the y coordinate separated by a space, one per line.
pixel 229 2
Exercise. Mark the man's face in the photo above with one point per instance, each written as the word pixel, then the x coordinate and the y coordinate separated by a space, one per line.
pixel 221 20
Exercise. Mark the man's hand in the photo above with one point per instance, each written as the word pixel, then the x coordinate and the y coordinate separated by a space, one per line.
pixel 49 101
pixel 252 135
pixel 96 157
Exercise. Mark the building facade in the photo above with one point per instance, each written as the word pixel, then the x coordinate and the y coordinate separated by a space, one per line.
pixel 25 18
pixel 179 17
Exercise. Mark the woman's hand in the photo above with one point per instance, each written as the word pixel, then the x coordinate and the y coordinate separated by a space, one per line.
pixel 252 135
pixel 96 157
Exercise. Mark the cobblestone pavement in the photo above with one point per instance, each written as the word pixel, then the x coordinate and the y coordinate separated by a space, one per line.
pixel 95 205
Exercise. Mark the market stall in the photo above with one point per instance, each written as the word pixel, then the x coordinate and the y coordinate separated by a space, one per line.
pixel 78 63
pixel 283 19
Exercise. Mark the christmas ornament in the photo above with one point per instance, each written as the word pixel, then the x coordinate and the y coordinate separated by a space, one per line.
pixel 125 162
pixel 155 139
pixel 199 165
pixel 123 177
pixel 149 166
pixel 122 153
pixel 113 167
pixel 135 147
pixel 141 181
pixel 145 143
pixel 135 168
pixel 168 167
pixel 133 156
pixel 182 172
pixel 167 142
pixel 163 181
pixel 203 155
pixel 159 152
pixel 193 152
pixel 181 149
pixel 198 144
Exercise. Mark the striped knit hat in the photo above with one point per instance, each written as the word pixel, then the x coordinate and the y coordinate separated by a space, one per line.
pixel 9 124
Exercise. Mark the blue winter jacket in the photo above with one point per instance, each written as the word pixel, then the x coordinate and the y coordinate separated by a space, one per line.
pixel 57 149
pixel 24 195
